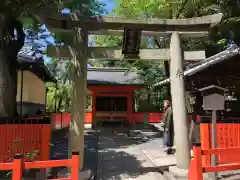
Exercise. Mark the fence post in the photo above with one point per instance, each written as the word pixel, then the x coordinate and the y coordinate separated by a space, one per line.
pixel 61 120
pixel 17 167
pixel 196 164
pixel 46 136
pixel 75 166
pixel 205 134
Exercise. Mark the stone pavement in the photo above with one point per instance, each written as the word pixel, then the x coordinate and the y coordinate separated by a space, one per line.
pixel 126 156
pixel 123 156
pixel 155 152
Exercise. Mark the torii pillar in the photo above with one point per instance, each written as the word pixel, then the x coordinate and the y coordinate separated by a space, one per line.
pixel 79 83
pixel 178 102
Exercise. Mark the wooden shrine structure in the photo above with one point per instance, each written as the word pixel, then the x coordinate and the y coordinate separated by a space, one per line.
pixel 131 29
pixel 31 89
pixel 210 72
pixel 112 93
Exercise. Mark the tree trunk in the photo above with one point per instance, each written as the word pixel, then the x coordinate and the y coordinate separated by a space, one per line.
pixel 11 41
pixel 8 86
pixel 8 75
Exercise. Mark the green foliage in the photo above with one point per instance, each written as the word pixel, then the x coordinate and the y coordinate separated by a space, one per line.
pixel 59 95
pixel 228 29
pixel 83 8
pixel 59 98
pixel 17 8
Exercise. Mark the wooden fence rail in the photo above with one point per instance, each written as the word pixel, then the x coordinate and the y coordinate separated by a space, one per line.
pixel 197 168
pixel 18 165
pixel 25 136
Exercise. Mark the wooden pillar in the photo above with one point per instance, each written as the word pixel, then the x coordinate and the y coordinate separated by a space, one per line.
pixel 178 103
pixel 94 109
pixel 79 83
pixel 167 73
pixel 21 93
pixel 130 106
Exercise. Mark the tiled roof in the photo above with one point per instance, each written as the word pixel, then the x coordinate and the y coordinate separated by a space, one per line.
pixel 26 54
pixel 201 65
pixel 94 75
pixel 112 76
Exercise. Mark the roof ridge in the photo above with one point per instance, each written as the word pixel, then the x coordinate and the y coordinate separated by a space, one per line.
pixel 221 56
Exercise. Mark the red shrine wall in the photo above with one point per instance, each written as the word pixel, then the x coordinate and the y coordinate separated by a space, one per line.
pixel 60 120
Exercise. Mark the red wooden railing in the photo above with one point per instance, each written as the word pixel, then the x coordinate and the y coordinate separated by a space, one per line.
pixel 18 165
pixel 197 168
pixel 228 136
pixel 26 136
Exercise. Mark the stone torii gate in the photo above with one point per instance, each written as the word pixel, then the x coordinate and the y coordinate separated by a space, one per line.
pixel 81 27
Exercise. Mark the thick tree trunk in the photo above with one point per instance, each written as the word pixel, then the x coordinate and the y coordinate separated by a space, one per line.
pixel 8 79
pixel 9 48
pixel 8 86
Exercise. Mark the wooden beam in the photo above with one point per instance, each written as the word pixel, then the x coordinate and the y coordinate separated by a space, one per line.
pixel 58 21
pixel 143 33
pixel 109 53
pixel 147 33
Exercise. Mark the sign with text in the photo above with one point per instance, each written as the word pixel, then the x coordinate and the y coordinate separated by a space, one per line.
pixel 131 41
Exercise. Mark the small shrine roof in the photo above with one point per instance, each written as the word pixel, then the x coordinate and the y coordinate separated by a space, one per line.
pixel 28 60
pixel 208 63
pixel 106 76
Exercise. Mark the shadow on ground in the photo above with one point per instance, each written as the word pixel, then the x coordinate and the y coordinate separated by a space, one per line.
pixel 121 155
pixel 59 150
pixel 128 135
pixel 120 165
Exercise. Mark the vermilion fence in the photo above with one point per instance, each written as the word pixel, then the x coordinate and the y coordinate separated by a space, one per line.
pixel 18 165
pixel 29 136
pixel 228 136
pixel 149 117
pixel 62 120
pixel 197 168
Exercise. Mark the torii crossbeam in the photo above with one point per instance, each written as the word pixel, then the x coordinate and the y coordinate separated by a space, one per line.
pixel 111 53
